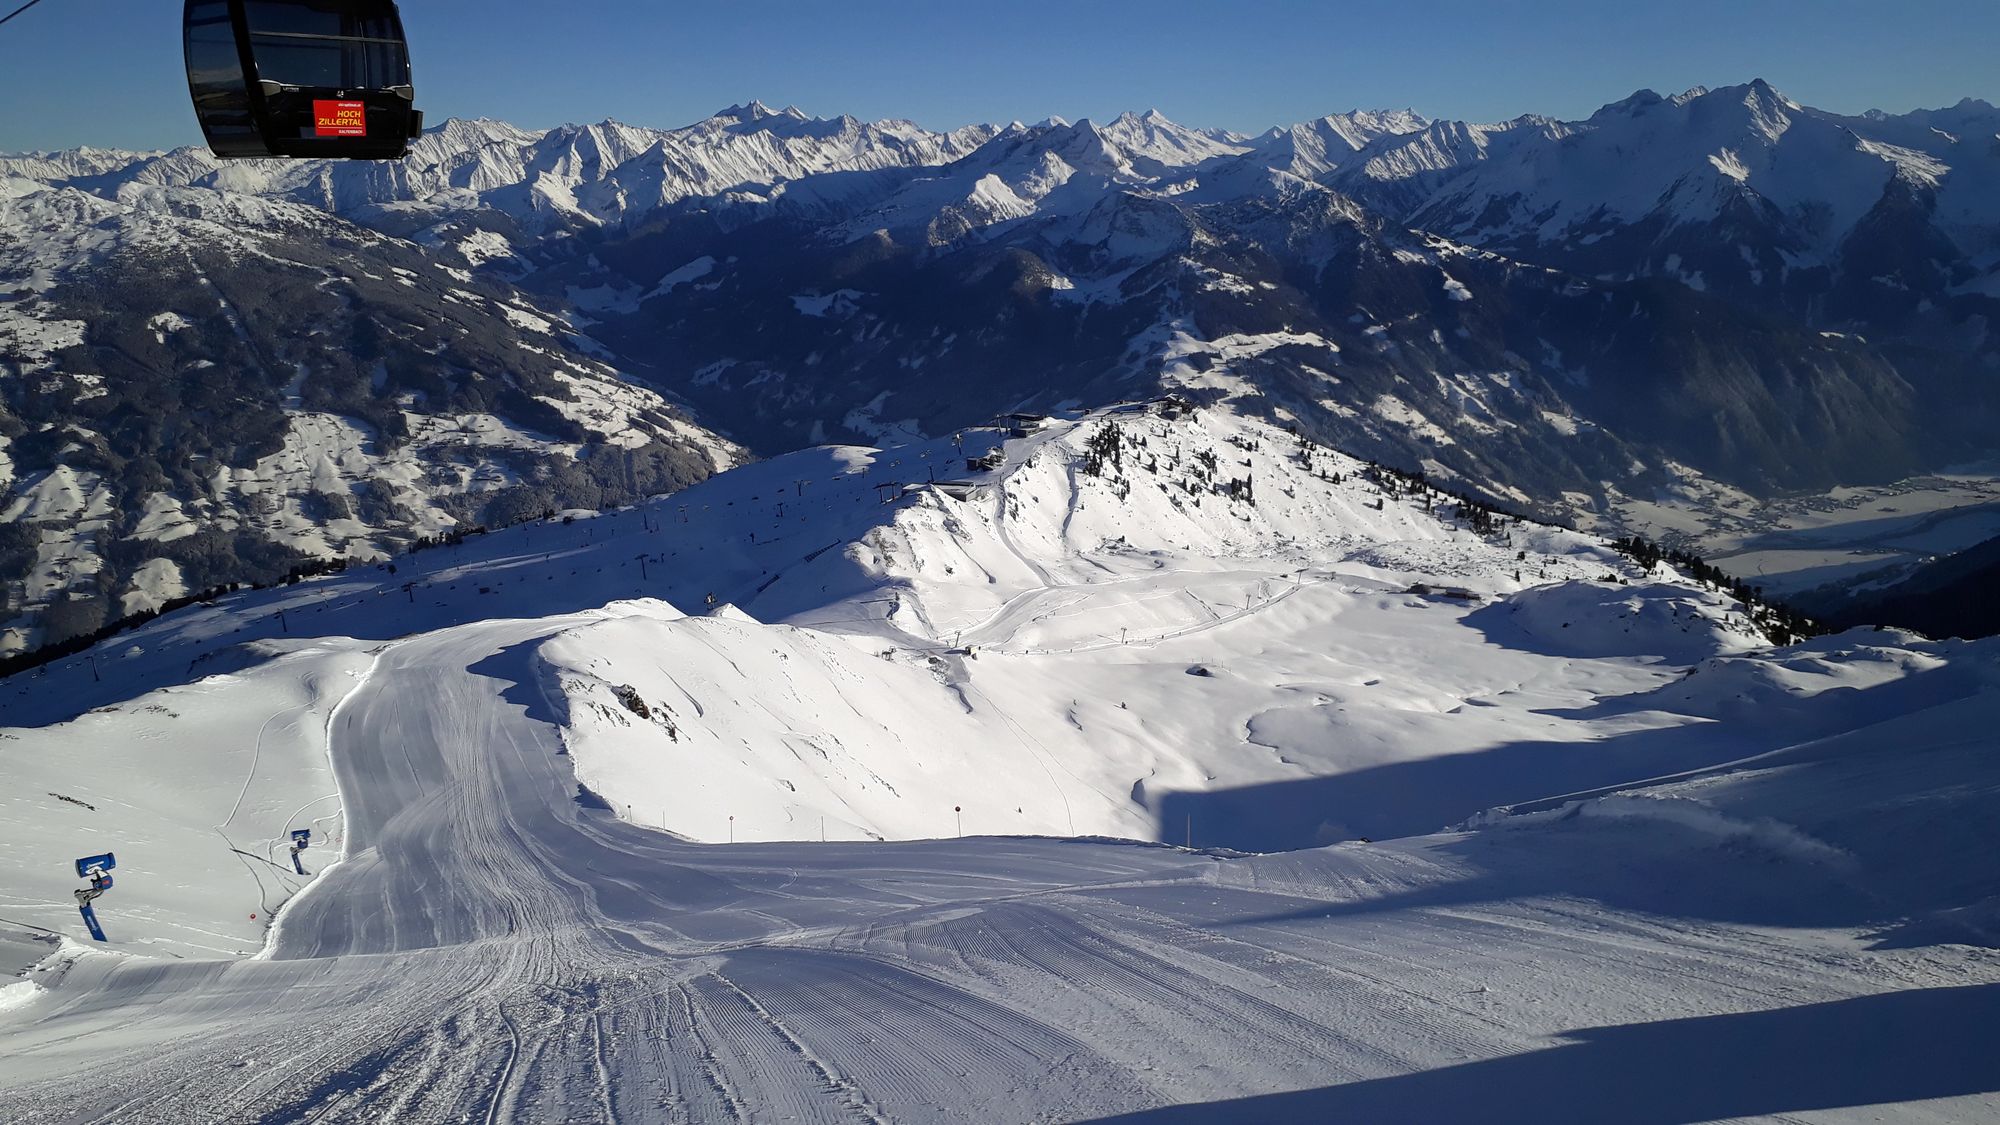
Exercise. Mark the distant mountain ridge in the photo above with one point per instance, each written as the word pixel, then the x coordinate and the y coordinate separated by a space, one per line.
pixel 1719 283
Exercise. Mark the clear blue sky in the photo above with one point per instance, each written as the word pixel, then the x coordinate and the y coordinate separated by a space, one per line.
pixel 107 72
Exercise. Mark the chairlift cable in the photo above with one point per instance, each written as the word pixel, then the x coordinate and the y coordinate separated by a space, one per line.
pixel 19 10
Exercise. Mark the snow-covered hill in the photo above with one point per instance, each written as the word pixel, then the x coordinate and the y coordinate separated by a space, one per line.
pixel 1121 614
pixel 1143 621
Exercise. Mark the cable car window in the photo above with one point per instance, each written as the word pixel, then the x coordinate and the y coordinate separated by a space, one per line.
pixel 215 71
pixel 339 63
pixel 335 43
pixel 340 20
pixel 211 47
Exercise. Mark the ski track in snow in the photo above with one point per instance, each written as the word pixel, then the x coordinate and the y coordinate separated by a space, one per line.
pixel 491 947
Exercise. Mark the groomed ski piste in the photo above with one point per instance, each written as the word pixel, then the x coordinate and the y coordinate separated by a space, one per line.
pixel 656 815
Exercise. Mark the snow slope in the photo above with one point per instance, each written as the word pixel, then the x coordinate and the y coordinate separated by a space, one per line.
pixel 507 939
pixel 1114 638
pixel 1097 613
pixel 196 788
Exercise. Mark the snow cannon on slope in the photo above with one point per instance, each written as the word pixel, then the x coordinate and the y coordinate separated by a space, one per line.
pixel 301 839
pixel 97 869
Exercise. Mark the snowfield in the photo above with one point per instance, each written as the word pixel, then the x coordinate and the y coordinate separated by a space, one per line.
pixel 860 785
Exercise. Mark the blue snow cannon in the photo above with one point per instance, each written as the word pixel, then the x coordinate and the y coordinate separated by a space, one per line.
pixel 95 868
pixel 301 838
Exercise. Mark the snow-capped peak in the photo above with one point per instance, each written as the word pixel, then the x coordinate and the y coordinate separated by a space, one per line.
pixel 1765 92
pixel 753 110
pixel 1693 158
pixel 1318 149
pixel 1154 143
pixel 1368 124
pixel 1633 104
pixel 1770 111
pixel 468 131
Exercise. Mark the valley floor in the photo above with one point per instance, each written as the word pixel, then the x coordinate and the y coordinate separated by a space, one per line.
pixel 1791 544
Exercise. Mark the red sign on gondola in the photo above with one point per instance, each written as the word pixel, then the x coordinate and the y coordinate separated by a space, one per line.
pixel 339 119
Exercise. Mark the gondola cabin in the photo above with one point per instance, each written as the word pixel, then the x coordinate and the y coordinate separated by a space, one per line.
pixel 310 78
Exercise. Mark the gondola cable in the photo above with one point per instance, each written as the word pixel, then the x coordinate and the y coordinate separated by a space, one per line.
pixel 19 10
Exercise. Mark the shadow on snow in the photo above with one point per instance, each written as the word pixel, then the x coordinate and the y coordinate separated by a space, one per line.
pixel 1871 1050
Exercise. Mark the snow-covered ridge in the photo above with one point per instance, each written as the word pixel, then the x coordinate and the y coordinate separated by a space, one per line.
pixel 330 483
pixel 1132 614
pixel 605 172
pixel 1207 632
pixel 611 172
pixel 1641 158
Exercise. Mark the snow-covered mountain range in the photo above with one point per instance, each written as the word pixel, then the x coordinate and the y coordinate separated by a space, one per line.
pixel 1719 283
